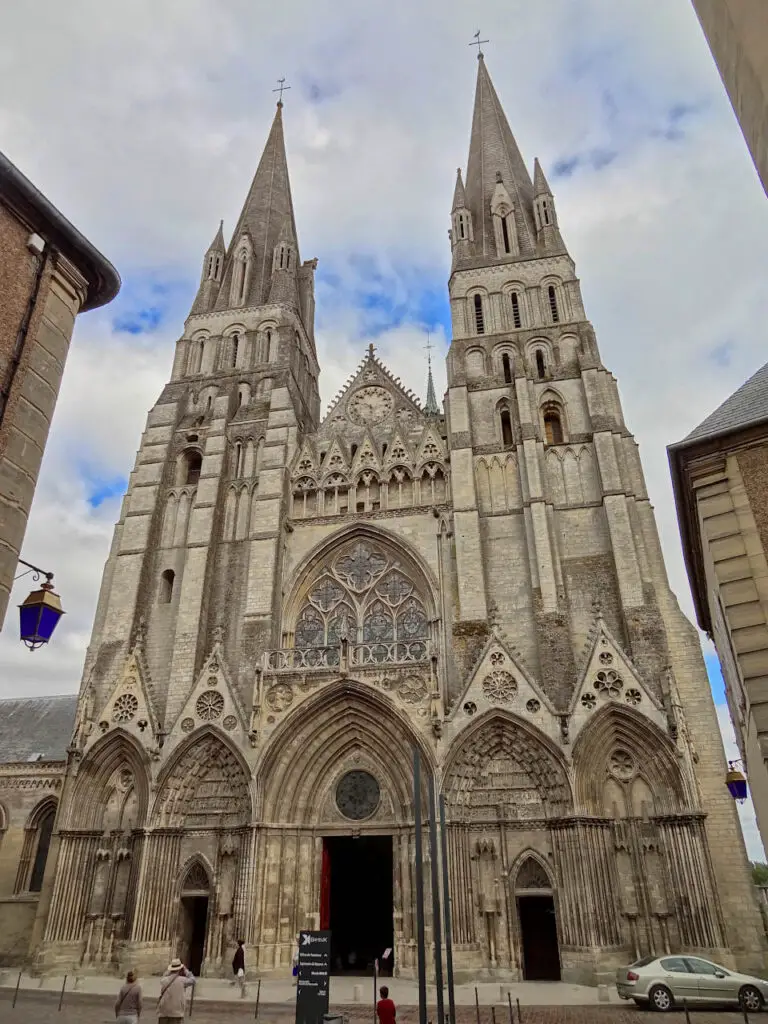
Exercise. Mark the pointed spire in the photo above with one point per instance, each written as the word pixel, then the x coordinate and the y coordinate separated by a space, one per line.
pixel 493 151
pixel 217 245
pixel 540 183
pixel 431 407
pixel 266 208
pixel 459 197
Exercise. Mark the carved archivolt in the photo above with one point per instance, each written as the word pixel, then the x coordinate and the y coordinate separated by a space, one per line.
pixel 502 761
pixel 112 787
pixel 206 786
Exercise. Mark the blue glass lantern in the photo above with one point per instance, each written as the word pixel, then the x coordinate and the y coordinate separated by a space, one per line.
pixel 736 783
pixel 39 616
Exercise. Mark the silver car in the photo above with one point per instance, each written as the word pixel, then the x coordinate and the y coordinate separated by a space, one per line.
pixel 662 982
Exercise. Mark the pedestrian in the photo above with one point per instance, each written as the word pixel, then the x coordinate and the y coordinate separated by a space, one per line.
pixel 172 1004
pixel 238 965
pixel 386 1010
pixel 128 1002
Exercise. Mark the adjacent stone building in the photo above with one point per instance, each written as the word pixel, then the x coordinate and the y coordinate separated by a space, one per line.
pixel 720 479
pixel 292 603
pixel 48 273
pixel 34 735
pixel 737 33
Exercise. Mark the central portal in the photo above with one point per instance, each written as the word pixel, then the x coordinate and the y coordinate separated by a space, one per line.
pixel 356 902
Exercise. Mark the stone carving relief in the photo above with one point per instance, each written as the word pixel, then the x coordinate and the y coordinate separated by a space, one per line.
pixel 413 689
pixel 206 788
pixel 209 705
pixel 500 686
pixel 532 876
pixel 358 795
pixel 279 697
pixel 609 683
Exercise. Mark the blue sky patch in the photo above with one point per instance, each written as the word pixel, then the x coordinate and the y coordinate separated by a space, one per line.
pixel 722 355
pixel 715 677
pixel 100 490
pixel 147 301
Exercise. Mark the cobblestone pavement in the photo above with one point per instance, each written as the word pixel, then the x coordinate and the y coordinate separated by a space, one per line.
pixel 43 1009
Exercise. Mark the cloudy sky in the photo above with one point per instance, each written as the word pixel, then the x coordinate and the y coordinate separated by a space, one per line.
pixel 143 123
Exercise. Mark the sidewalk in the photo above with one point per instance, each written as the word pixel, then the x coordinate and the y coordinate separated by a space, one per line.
pixel 343 991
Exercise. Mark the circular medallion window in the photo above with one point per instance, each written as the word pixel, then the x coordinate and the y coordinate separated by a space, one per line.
pixel 357 795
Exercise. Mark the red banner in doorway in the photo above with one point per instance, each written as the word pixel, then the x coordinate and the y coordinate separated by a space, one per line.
pixel 325 889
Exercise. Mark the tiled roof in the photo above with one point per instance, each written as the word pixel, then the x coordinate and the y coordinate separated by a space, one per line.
pixel 36 728
pixel 744 408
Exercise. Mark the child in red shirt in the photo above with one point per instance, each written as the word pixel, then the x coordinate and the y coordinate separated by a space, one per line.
pixel 385 1008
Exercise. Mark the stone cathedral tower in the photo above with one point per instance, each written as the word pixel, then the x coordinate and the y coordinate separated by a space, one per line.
pixel 291 603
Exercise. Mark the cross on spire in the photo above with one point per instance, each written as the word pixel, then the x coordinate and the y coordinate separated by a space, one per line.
pixel 281 88
pixel 429 346
pixel 371 350
pixel 478 42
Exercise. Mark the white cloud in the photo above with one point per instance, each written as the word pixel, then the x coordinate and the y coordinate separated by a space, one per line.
pixel 746 810
pixel 144 125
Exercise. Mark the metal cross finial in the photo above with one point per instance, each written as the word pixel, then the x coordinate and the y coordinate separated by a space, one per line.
pixel 282 87
pixel 371 350
pixel 429 346
pixel 478 43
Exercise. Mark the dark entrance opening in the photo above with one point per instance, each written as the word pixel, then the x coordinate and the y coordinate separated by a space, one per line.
pixel 538 929
pixel 194 920
pixel 359 906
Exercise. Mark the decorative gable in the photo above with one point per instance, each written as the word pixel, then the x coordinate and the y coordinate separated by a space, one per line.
pixel 499 681
pixel 335 460
pixel 398 452
pixel 212 702
pixel 609 677
pixel 431 447
pixel 306 462
pixel 366 457
pixel 129 706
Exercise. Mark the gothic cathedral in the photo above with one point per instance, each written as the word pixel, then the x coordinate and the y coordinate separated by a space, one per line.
pixel 292 602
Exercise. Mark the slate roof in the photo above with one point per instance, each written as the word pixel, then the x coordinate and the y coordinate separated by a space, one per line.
pixel 745 408
pixel 31 726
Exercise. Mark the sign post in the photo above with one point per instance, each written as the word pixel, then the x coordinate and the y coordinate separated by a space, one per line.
pixel 312 978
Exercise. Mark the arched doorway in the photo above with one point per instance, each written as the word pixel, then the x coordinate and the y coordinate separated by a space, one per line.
pixel 193 917
pixel 538 922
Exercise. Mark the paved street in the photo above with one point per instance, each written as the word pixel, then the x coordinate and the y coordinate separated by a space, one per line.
pixel 42 1008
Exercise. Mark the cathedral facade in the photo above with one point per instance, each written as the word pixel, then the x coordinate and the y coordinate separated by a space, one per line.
pixel 293 603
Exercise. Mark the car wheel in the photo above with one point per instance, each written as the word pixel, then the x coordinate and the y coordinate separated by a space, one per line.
pixel 750 999
pixel 660 998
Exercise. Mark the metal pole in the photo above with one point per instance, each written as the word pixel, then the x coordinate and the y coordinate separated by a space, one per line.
pixel 493 1014
pixel 477 1006
pixel 192 999
pixel 687 1015
pixel 61 997
pixel 437 930
pixel 16 993
pixel 258 997
pixel 420 938
pixel 519 1012
pixel 375 986
pixel 447 913
pixel 511 1011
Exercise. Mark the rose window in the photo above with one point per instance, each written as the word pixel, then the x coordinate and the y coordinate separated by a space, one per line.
pixel 470 707
pixel 125 708
pixel 497 658
pixel 588 701
pixel 533 706
pixel 609 684
pixel 606 658
pixel 500 686
pixel 357 795
pixel 633 697
pixel 621 764
pixel 209 705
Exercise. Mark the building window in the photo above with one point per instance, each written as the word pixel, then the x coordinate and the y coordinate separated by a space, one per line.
pixel 506 365
pixel 461 226
pixel 553 304
pixel 166 586
pixel 506 428
pixel 479 318
pixel 545 211
pixel 235 345
pixel 517 320
pixel 541 366
pixel 553 426
pixel 194 461
pixel 34 854
pixel 505 234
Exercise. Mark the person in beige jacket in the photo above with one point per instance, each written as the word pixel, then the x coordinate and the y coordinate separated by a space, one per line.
pixel 172 1004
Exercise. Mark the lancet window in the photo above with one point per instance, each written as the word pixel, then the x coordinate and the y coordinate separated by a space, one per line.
pixel 363 597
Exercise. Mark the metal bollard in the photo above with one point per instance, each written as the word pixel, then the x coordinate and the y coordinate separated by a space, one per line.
pixel 519 1012
pixel 63 986
pixel 477 1005
pixel 16 993
pixel 511 1011
pixel 258 999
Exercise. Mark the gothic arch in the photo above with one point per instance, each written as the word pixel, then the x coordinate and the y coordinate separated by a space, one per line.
pixel 37 840
pixel 191 874
pixel 347 727
pixel 530 868
pixel 500 752
pixel 206 784
pixel 115 761
pixel 617 747
pixel 403 559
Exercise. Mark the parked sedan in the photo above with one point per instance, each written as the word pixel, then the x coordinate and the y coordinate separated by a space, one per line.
pixel 661 982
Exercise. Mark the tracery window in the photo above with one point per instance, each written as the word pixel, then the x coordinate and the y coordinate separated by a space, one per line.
pixel 363 596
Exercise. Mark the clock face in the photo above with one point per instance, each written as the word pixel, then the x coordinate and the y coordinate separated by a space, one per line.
pixel 370 405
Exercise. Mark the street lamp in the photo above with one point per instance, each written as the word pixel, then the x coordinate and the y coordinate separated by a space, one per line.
pixel 40 613
pixel 735 781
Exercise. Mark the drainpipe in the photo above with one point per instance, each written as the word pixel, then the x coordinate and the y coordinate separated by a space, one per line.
pixel 38 246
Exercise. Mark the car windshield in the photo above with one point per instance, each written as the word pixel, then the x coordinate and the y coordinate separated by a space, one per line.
pixel 643 961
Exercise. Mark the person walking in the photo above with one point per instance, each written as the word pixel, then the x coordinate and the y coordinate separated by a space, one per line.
pixel 386 1010
pixel 238 965
pixel 128 1002
pixel 172 1004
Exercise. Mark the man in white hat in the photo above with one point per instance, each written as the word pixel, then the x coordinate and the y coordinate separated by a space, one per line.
pixel 172 1004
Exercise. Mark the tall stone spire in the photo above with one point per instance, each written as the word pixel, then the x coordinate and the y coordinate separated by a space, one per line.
pixel 431 407
pixel 494 159
pixel 266 208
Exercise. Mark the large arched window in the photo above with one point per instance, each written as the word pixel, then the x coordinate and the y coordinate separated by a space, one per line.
pixel 517 320
pixel 365 596
pixel 553 423
pixel 479 316
pixel 37 842
pixel 191 466
pixel 554 311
